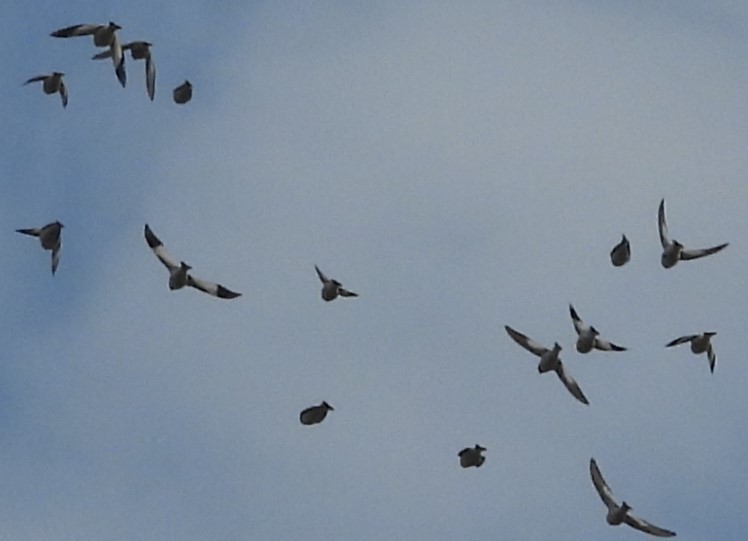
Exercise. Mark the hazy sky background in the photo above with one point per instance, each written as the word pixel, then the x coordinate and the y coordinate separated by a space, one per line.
pixel 462 166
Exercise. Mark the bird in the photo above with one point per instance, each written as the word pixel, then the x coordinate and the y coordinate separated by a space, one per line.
pixel 471 456
pixel 315 414
pixel 618 514
pixel 700 343
pixel 588 336
pixel 672 250
pixel 104 35
pixel 178 273
pixel 332 288
pixel 52 83
pixel 621 252
pixel 549 360
pixel 49 236
pixel 139 50
pixel 183 93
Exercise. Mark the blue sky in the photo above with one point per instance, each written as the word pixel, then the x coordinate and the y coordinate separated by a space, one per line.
pixel 461 167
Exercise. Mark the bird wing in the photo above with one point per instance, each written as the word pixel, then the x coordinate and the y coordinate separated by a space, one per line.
pixel 102 55
pixel 602 487
pixel 570 383
pixel 662 224
pixel 217 290
pixel 701 252
pixel 118 59
pixel 346 293
pixel 35 79
pixel 644 526
pixel 321 275
pixel 681 340
pixel 63 94
pixel 76 30
pixel 158 248
pixel 712 357
pixel 604 345
pixel 56 256
pixel 528 343
pixel 34 231
pixel 579 325
pixel 150 77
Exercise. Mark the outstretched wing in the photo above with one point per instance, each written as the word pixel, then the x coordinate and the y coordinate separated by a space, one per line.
pixel 75 30
pixel 35 79
pixel 345 293
pixel 528 343
pixel 602 487
pixel 158 248
pixel 644 526
pixel 712 357
pixel 321 275
pixel 210 288
pixel 34 232
pixel 150 77
pixel 56 256
pixel 701 252
pixel 118 59
pixel 570 383
pixel 579 325
pixel 604 345
pixel 63 94
pixel 665 239
pixel 680 340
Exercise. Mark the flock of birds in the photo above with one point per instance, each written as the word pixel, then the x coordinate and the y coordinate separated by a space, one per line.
pixel 588 337
pixel 105 35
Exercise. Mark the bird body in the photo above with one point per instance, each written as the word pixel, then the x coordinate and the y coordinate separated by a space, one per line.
pixel 315 414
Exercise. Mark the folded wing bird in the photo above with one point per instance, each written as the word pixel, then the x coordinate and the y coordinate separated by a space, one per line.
pixel 700 343
pixel 183 93
pixel 178 273
pixel 50 238
pixel 672 250
pixel 52 83
pixel 332 288
pixel 139 50
pixel 104 35
pixel 621 252
pixel 588 336
pixel 315 414
pixel 618 514
pixel 549 360
pixel 472 456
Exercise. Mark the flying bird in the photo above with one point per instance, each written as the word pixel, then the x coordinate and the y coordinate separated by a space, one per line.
pixel 549 360
pixel 183 93
pixel 621 252
pixel 588 336
pixel 315 414
pixel 49 236
pixel 178 273
pixel 700 343
pixel 104 35
pixel 139 50
pixel 672 250
pixel 332 288
pixel 471 456
pixel 618 514
pixel 52 83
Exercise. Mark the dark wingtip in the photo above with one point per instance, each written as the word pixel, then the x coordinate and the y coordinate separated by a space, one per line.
pixel 224 293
